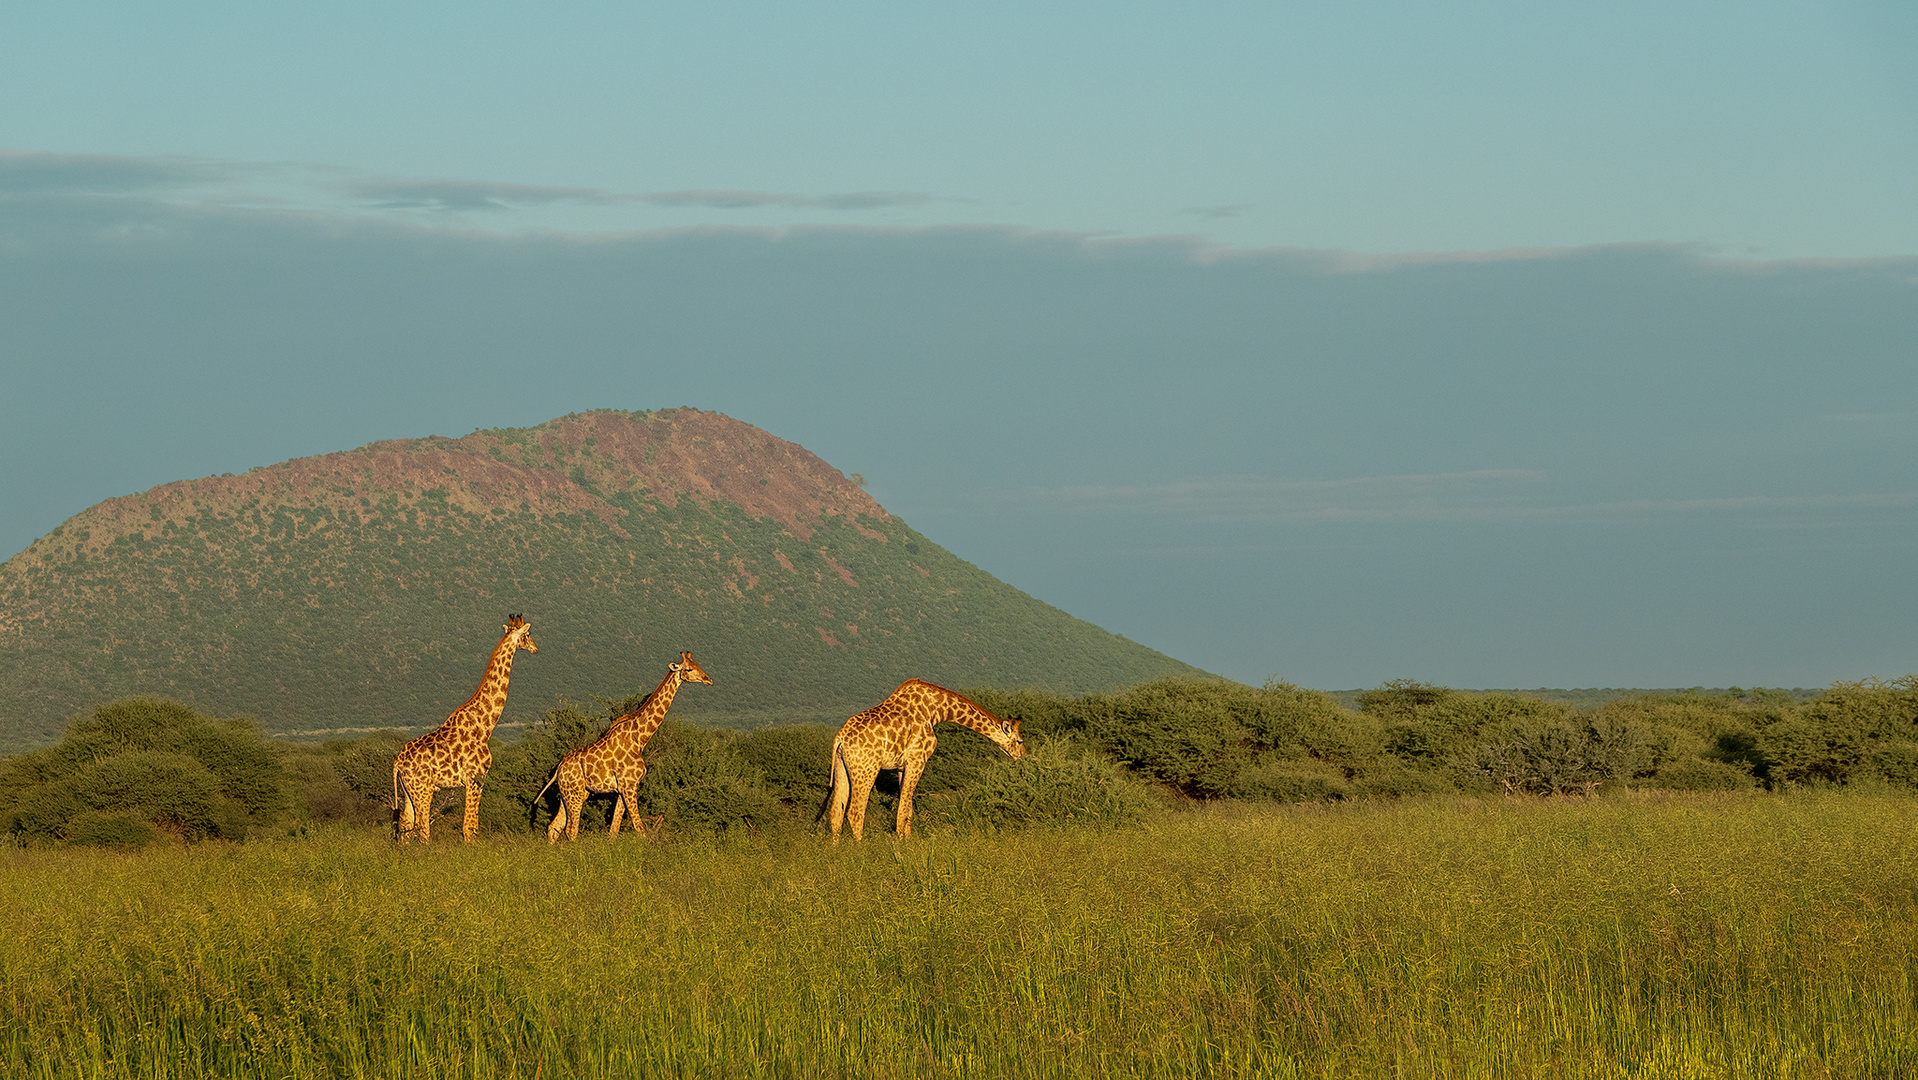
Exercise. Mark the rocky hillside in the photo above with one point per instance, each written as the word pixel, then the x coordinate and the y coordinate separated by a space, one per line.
pixel 364 589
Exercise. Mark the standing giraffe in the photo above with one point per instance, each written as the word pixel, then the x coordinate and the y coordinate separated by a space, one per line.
pixel 897 734
pixel 613 763
pixel 455 753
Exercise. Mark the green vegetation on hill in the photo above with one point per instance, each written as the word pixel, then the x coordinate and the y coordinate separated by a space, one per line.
pixel 362 591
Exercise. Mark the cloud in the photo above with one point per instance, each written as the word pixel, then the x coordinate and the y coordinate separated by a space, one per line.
pixel 468 195
pixel 716 199
pixel 28 173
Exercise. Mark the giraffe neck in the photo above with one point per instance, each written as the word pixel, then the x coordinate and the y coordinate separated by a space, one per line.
pixel 646 720
pixel 965 712
pixel 482 711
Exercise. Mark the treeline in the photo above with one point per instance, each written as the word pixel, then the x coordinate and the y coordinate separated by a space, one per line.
pixel 140 768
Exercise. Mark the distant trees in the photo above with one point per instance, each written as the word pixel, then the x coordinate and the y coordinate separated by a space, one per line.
pixel 141 769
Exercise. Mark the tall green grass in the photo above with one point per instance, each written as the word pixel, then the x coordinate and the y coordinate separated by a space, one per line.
pixel 1643 935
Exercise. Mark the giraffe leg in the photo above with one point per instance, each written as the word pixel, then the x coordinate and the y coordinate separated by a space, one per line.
pixel 573 798
pixel 563 780
pixel 908 780
pixel 472 810
pixel 619 810
pixel 402 810
pixel 419 809
pixel 841 794
pixel 861 781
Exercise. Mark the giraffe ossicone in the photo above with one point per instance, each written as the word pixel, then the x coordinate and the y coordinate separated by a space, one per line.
pixel 614 762
pixel 897 734
pixel 456 753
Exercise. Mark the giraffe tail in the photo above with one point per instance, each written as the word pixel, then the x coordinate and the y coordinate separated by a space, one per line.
pixel 399 803
pixel 840 782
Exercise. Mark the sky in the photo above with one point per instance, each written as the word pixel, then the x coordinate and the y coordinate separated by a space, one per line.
pixel 1489 344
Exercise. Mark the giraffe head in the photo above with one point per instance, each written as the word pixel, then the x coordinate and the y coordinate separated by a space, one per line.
pixel 519 633
pixel 689 671
pixel 1008 737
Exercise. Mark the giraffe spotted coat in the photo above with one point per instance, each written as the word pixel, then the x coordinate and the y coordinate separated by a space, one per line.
pixel 897 734
pixel 455 754
pixel 613 763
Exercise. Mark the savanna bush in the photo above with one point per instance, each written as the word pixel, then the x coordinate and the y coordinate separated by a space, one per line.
pixel 1561 754
pixel 1181 732
pixel 701 783
pixel 1814 744
pixel 1897 762
pixel 139 767
pixel 794 762
pixel 1058 780
pixel 1281 779
pixel 1311 723
pixel 1880 710
pixel 1427 725
pixel 1701 774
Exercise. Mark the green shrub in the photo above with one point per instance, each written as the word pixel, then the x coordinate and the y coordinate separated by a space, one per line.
pixel 1897 762
pixel 1880 710
pixel 795 762
pixel 1559 756
pixel 1403 699
pixel 701 783
pixel 109 829
pixel 1391 778
pixel 1171 730
pixel 961 758
pixel 1041 713
pixel 172 792
pixel 1058 780
pixel 1814 744
pixel 1289 780
pixel 1191 733
pixel 1300 722
pixel 1700 774
pixel 149 761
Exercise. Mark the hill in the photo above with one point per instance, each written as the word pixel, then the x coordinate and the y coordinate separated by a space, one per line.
pixel 363 590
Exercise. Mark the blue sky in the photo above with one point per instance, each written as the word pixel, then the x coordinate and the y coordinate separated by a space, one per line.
pixel 1490 344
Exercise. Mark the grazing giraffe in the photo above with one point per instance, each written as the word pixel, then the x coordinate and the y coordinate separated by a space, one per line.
pixel 897 734
pixel 613 763
pixel 455 753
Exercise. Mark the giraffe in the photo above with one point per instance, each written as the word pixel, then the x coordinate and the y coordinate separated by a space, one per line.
pixel 455 753
pixel 613 763
pixel 897 734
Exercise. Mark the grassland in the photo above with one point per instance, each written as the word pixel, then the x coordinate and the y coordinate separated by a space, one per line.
pixel 1645 935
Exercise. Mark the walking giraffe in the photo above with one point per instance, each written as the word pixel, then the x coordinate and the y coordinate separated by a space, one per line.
pixel 455 753
pixel 897 734
pixel 613 763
